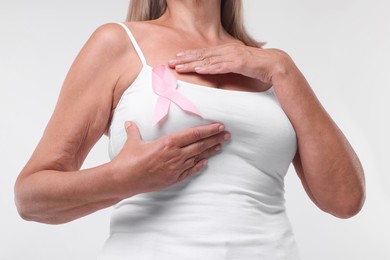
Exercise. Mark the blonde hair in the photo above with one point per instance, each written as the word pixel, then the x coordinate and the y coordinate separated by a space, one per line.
pixel 231 17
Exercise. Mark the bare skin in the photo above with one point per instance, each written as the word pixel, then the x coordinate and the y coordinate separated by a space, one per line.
pixel 326 163
pixel 52 188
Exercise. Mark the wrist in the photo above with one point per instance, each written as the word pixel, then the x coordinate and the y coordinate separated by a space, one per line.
pixel 122 185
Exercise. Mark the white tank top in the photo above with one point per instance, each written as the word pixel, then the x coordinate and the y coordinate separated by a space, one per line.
pixel 232 209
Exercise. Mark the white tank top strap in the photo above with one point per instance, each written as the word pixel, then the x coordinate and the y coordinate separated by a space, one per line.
pixel 135 44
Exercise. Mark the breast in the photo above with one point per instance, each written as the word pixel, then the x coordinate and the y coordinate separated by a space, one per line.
pixel 262 135
pixel 244 181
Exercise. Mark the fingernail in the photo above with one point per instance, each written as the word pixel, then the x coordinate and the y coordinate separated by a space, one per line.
pixel 226 136
pixel 221 128
pixel 217 148
pixel 127 124
pixel 179 67
pixel 180 54
pixel 172 62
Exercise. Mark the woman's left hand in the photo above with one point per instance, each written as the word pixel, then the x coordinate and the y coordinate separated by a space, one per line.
pixel 261 64
pixel 329 168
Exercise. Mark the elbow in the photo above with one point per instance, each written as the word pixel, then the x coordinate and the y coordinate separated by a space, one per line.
pixel 348 199
pixel 348 208
pixel 26 214
pixel 32 206
pixel 346 212
pixel 29 210
pixel 22 200
pixel 21 203
pixel 24 211
pixel 24 208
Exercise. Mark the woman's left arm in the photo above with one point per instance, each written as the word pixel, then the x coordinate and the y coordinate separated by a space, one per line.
pixel 326 163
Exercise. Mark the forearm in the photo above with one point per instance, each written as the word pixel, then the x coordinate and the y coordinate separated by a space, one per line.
pixel 330 168
pixel 57 197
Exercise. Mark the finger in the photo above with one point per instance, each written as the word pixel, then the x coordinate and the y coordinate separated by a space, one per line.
pixel 188 67
pixel 219 68
pixel 132 131
pixel 207 62
pixel 192 135
pixel 196 55
pixel 190 162
pixel 191 171
pixel 197 148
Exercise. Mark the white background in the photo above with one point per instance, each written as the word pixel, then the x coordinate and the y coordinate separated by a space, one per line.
pixel 340 46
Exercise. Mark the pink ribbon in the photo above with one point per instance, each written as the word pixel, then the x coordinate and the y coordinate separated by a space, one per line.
pixel 164 84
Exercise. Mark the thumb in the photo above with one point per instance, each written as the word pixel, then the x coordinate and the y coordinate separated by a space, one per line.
pixel 132 131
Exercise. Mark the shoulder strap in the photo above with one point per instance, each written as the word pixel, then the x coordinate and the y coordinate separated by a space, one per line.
pixel 135 44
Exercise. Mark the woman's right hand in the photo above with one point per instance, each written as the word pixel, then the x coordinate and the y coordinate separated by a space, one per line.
pixel 154 165
pixel 52 187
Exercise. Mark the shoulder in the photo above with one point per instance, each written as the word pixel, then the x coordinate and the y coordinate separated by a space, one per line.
pixel 108 39
pixel 111 39
pixel 113 36
pixel 151 30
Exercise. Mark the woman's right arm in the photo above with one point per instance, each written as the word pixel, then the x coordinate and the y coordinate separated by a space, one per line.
pixel 51 188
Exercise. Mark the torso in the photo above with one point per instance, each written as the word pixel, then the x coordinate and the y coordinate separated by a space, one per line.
pixel 233 207
pixel 170 42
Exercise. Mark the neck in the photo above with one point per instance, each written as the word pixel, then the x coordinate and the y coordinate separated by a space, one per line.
pixel 199 17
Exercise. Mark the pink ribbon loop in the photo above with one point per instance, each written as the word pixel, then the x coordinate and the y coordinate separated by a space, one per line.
pixel 164 85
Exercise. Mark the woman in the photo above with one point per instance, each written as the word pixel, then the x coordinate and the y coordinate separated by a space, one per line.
pixel 183 74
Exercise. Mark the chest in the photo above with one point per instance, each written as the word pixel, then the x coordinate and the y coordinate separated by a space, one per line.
pixel 260 130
